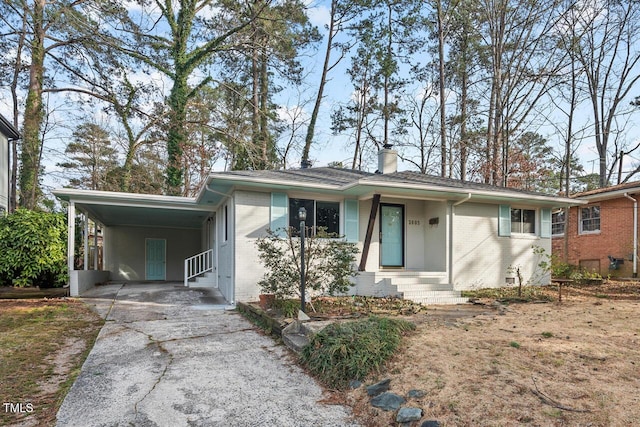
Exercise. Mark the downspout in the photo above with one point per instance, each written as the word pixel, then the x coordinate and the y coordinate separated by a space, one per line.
pixel 224 195
pixel 459 202
pixel 635 234
pixel 453 210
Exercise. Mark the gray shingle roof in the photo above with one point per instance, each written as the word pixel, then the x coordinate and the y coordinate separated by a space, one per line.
pixel 338 177
pixel 416 178
pixel 323 175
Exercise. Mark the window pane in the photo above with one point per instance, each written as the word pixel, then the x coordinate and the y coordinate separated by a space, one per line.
pixel 328 216
pixel 516 220
pixel 294 218
pixel 557 223
pixel 529 221
pixel 590 218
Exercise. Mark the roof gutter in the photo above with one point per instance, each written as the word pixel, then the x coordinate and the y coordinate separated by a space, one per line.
pixel 635 233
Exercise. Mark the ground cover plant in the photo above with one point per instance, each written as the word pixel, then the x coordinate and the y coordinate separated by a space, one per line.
pixel 353 350
pixel 43 344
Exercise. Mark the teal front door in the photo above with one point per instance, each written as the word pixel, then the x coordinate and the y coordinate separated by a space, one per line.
pixel 156 259
pixel 391 235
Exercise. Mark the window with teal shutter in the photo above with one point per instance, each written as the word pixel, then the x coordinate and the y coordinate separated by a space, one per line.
pixel 504 221
pixel 279 214
pixel 545 223
pixel 351 230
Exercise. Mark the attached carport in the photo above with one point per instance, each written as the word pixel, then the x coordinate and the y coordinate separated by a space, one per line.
pixel 145 237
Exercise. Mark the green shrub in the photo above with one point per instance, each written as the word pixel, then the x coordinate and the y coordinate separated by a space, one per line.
pixel 352 350
pixel 33 249
pixel 329 263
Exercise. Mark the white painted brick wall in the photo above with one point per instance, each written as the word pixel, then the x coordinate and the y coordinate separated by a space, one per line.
pixel 252 218
pixel 481 258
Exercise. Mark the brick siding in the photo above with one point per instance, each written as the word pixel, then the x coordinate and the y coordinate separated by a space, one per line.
pixel 591 250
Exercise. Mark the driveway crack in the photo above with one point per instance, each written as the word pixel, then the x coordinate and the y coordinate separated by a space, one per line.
pixel 168 364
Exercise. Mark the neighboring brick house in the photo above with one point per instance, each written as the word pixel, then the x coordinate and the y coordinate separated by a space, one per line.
pixel 599 236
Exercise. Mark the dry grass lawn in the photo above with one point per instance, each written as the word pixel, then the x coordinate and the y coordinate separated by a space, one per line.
pixel 575 363
pixel 43 343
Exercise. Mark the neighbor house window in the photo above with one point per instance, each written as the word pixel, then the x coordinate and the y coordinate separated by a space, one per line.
pixel 523 221
pixel 319 214
pixel 558 222
pixel 590 219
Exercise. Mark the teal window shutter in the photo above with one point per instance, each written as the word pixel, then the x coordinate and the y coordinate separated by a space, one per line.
pixel 351 220
pixel 504 221
pixel 279 214
pixel 545 223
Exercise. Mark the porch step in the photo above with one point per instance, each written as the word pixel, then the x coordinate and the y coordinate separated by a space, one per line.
pixel 440 300
pixel 422 287
pixel 414 277
pixel 207 280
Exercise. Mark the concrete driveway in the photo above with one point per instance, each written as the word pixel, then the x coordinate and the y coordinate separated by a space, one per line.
pixel 174 356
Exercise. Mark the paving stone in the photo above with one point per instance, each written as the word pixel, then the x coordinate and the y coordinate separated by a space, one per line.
pixel 407 415
pixel 388 401
pixel 377 388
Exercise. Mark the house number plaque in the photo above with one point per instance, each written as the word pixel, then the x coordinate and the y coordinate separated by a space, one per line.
pixel 414 222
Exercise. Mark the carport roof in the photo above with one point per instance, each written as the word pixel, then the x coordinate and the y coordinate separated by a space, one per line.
pixel 113 208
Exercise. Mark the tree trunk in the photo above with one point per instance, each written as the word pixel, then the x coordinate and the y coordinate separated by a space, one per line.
pixel 308 140
pixel 265 140
pixel 441 82
pixel 176 137
pixel 13 187
pixel 33 114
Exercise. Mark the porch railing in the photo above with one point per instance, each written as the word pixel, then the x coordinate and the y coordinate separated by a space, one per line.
pixel 197 265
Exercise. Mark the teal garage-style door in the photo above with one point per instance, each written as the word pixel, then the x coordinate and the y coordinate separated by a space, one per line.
pixel 156 259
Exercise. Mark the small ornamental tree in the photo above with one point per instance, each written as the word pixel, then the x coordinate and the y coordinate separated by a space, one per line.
pixel 329 263
pixel 33 249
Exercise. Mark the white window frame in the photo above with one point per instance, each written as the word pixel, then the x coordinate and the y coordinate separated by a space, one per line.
pixel 536 221
pixel 580 222
pixel 564 222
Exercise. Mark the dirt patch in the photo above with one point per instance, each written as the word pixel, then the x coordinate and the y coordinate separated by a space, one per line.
pixel 570 363
pixel 43 343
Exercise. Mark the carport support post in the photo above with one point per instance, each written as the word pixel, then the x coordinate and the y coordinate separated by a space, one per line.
pixel 85 241
pixel 95 245
pixel 71 235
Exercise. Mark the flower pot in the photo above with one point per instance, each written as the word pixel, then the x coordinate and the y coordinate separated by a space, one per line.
pixel 266 301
